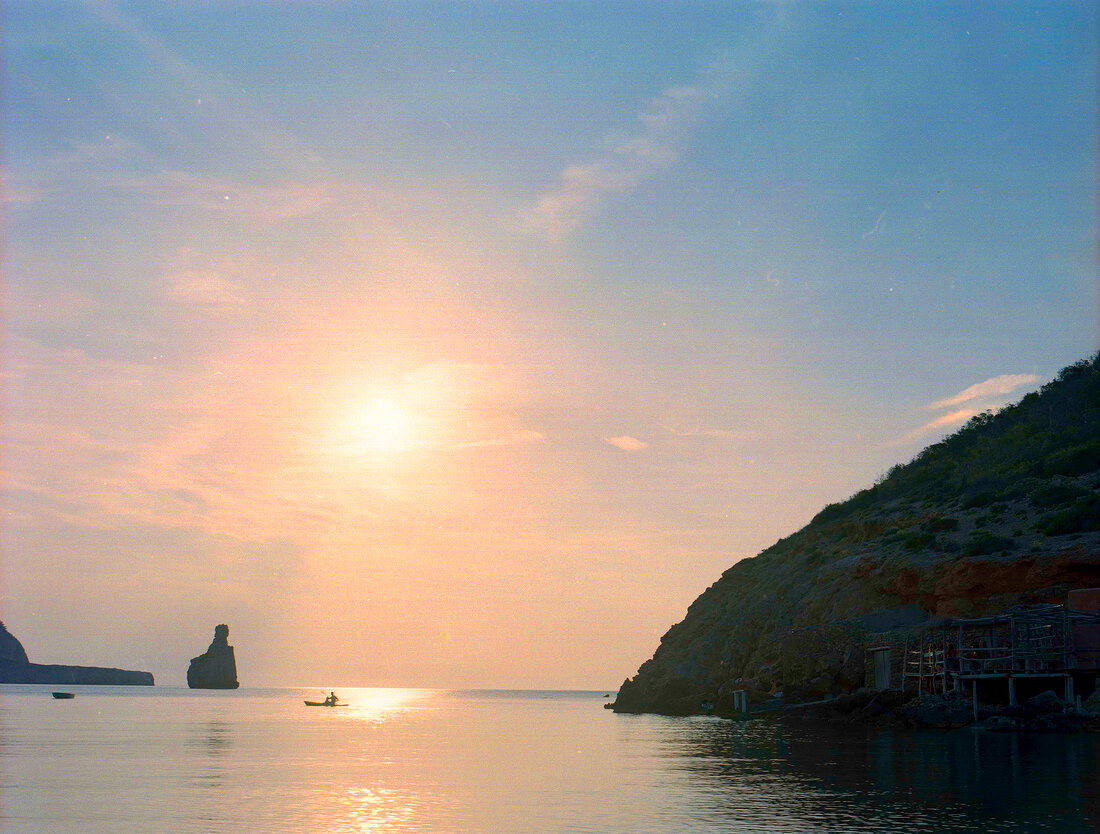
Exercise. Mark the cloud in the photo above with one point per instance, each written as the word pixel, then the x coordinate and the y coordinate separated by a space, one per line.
pixel 226 110
pixel 265 204
pixel 874 228
pixel 944 421
pixel 663 131
pixel 203 288
pixel 996 386
pixel 81 161
pixel 517 438
pixel 16 193
pixel 976 398
pixel 714 433
pixel 626 443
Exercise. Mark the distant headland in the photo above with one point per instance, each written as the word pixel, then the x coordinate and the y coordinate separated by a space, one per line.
pixel 15 667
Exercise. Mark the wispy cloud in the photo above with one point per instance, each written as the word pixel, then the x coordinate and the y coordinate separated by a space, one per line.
pixel 981 396
pixel 627 161
pixel 264 204
pixel 81 161
pixel 714 433
pixel 14 192
pixel 627 443
pixel 944 421
pixel 997 386
pixel 226 110
pixel 516 438
pixel 658 140
pixel 874 228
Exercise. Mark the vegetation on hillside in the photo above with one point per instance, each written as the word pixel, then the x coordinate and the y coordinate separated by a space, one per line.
pixel 1007 455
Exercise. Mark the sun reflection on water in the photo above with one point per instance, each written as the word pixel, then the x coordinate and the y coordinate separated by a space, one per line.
pixel 369 704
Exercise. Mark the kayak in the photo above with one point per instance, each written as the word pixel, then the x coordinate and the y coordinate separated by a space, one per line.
pixel 62 695
pixel 322 704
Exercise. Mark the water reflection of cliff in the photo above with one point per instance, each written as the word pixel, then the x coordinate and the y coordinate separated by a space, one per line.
pixel 215 739
pixel 858 778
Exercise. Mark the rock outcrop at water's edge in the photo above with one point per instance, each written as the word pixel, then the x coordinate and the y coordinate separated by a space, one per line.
pixel 15 667
pixel 1002 513
pixel 11 650
pixel 216 668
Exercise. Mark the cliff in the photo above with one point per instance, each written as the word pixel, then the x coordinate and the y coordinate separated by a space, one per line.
pixel 216 668
pixel 15 667
pixel 11 650
pixel 1006 511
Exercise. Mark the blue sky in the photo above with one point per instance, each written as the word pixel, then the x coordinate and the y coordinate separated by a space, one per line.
pixel 490 334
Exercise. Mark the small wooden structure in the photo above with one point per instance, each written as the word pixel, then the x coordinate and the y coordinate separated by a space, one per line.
pixel 740 701
pixel 1028 643
pixel 880 664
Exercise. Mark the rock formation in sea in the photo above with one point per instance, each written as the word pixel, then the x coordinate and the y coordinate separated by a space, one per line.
pixel 1004 512
pixel 216 668
pixel 15 667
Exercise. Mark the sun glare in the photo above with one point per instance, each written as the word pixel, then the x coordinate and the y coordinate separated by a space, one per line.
pixel 381 427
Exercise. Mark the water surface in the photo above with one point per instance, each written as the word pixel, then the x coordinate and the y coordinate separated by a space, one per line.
pixel 172 759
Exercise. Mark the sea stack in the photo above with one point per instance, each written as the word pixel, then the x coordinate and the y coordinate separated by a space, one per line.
pixel 217 667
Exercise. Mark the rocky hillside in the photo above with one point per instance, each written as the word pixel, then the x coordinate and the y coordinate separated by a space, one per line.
pixel 1003 512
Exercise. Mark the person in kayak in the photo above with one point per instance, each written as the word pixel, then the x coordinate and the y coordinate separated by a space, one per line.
pixel 330 701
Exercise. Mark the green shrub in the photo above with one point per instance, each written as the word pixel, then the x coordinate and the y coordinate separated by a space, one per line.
pixel 1076 460
pixel 918 540
pixel 980 499
pixel 1054 495
pixel 1083 516
pixel 984 543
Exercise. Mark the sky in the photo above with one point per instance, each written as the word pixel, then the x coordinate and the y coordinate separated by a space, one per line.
pixel 464 345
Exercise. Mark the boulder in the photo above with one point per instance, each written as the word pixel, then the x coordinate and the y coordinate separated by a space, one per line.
pixel 1044 703
pixel 1092 703
pixel 216 668
pixel 1055 722
pixel 939 712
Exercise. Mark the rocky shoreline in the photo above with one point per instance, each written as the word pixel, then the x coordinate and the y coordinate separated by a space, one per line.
pixel 1044 713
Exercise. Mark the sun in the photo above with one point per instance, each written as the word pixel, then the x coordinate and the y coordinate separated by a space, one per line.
pixel 380 426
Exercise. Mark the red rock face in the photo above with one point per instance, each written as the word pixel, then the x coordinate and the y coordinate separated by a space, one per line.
pixel 987 585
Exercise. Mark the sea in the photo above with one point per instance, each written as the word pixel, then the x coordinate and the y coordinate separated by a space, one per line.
pixel 135 759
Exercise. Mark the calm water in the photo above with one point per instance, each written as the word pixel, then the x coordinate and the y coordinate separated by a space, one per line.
pixel 168 759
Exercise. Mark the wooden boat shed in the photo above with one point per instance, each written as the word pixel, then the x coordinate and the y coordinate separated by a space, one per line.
pixel 1003 657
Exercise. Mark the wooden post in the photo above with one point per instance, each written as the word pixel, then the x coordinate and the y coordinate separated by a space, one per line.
pixel 1067 642
pixel 1069 689
pixel 1011 690
pixel 1011 646
pixel 943 663
pixel 905 665
pixel 920 666
pixel 974 693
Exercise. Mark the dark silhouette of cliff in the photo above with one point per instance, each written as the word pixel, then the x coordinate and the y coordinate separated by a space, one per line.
pixel 216 668
pixel 1004 512
pixel 15 667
